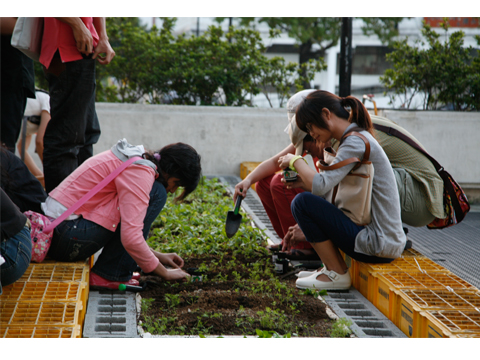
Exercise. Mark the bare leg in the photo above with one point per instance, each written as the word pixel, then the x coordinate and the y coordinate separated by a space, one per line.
pixel 331 258
pixel 28 159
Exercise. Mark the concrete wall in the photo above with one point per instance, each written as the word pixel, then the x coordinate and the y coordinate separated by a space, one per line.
pixel 228 136
pixel 224 136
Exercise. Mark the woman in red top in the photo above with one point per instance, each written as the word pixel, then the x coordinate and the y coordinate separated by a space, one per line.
pixel 118 218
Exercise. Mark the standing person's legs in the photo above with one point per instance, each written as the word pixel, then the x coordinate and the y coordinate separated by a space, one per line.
pixel 73 127
pixel 12 107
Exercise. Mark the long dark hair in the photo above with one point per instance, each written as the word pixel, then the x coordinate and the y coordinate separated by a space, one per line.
pixel 178 160
pixel 309 111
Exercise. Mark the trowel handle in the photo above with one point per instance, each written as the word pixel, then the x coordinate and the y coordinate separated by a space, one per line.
pixel 237 204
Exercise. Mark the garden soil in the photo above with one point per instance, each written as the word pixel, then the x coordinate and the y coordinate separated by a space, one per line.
pixel 232 305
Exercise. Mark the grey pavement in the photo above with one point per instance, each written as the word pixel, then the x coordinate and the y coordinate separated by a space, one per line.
pixel 456 248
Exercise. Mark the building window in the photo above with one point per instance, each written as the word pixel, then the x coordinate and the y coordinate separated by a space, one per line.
pixel 368 60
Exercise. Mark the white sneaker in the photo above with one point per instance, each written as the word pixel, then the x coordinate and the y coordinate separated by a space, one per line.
pixel 303 274
pixel 339 282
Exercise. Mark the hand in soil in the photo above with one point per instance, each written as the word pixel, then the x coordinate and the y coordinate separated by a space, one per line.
pixel 176 274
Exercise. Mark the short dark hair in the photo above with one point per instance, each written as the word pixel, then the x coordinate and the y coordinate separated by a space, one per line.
pixel 181 161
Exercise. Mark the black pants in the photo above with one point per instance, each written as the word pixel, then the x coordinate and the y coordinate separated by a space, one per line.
pixel 74 126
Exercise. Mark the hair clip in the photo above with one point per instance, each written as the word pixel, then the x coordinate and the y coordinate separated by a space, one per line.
pixel 157 156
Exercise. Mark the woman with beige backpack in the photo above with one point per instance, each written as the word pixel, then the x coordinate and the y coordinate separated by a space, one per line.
pixel 353 203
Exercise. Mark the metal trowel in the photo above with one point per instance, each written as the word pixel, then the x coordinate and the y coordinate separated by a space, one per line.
pixel 234 219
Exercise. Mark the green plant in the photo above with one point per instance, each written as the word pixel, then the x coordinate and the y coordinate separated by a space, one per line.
pixel 270 334
pixel 145 304
pixel 172 300
pixel 341 328
pixel 439 70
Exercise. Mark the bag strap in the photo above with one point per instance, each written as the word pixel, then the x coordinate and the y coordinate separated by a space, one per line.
pixel 440 170
pixel 90 194
pixel 366 155
pixel 391 131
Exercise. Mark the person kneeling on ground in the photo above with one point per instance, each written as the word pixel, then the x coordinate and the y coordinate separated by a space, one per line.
pixel 118 218
pixel 16 244
pixel 327 228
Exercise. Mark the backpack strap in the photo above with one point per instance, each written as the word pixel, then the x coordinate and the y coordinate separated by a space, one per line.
pixel 90 194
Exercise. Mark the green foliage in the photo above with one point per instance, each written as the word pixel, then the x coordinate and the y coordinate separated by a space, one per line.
pixel 145 304
pixel 204 232
pixel 441 70
pixel 265 334
pixel 172 300
pixel 216 68
pixel 196 229
pixel 341 328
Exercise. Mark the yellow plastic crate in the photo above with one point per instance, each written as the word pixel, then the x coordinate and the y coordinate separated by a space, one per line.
pixel 356 275
pixel 40 332
pixel 450 323
pixel 246 168
pixel 381 286
pixel 410 307
pixel 43 291
pixel 40 313
pixel 86 262
pixel 412 253
pixel 409 263
pixel 45 272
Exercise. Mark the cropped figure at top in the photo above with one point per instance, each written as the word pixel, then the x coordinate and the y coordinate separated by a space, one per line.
pixel 324 116
pixel 71 47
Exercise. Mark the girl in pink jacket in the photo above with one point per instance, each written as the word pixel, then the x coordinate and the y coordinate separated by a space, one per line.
pixel 118 217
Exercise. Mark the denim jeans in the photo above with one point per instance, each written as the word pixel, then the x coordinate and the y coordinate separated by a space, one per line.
pixel 321 221
pixel 79 239
pixel 74 126
pixel 17 252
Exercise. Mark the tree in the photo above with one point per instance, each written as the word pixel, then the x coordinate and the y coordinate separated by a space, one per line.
pixel 322 32
pixel 445 73
pixel 216 68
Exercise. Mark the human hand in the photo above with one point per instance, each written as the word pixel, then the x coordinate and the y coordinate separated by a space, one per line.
pixel 103 47
pixel 171 259
pixel 241 189
pixel 295 184
pixel 175 274
pixel 284 161
pixel 83 38
pixel 293 236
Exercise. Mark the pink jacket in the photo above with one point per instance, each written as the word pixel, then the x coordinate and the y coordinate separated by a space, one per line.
pixel 124 199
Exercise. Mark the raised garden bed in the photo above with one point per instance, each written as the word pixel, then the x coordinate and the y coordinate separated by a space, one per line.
pixel 239 292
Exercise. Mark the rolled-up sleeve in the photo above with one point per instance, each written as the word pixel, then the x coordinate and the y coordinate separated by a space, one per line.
pixel 133 187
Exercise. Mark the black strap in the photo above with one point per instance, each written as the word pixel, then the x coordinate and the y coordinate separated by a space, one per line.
pixel 441 171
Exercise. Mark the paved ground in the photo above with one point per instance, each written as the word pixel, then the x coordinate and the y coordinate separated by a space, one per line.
pixel 457 248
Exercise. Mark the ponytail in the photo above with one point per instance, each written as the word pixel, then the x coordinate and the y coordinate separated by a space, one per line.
pixel 309 111
pixel 358 113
